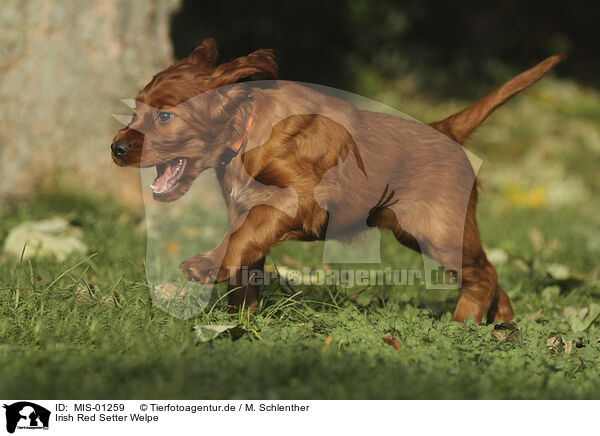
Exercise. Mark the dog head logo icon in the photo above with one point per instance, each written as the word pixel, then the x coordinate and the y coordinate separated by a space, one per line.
pixel 26 415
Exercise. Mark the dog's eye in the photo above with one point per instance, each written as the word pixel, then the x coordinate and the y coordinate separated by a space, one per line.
pixel 164 116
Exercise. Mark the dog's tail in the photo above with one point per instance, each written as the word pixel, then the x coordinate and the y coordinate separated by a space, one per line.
pixel 460 125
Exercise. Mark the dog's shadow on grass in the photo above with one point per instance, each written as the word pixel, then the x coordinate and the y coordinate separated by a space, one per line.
pixel 440 308
pixel 277 298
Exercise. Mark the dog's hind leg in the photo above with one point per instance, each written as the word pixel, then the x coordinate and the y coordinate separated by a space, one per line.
pixel 480 293
pixel 501 310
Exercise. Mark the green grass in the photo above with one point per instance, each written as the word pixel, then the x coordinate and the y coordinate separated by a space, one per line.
pixel 87 328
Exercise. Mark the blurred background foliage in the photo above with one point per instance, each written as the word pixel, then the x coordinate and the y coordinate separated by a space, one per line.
pixel 452 49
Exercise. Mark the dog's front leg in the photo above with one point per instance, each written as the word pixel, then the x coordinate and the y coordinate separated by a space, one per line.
pixel 244 290
pixel 263 227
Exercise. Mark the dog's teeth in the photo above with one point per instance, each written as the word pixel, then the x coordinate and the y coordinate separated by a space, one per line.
pixel 169 177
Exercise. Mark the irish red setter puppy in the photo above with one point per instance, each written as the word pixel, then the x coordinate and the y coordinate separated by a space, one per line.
pixel 295 163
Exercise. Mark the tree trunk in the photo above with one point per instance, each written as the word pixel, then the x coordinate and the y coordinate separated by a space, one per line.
pixel 64 66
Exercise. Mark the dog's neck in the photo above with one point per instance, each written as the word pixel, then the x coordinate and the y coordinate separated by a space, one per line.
pixel 232 152
pixel 269 108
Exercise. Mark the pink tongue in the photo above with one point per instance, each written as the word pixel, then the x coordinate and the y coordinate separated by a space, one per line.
pixel 166 180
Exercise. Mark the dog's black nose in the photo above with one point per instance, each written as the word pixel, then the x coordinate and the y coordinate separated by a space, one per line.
pixel 119 148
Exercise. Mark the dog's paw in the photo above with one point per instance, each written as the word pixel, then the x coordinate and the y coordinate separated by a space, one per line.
pixel 201 269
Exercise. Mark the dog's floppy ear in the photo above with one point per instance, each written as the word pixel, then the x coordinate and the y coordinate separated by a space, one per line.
pixel 259 65
pixel 205 54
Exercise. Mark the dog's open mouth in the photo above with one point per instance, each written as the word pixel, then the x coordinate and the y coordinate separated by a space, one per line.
pixel 167 176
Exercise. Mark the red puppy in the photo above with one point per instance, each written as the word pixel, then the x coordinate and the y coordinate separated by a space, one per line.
pixel 405 176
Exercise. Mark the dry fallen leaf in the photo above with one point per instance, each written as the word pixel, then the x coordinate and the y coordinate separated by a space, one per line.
pixel 561 345
pixel 568 346
pixel 327 342
pixel 392 340
pixel 506 331
pixel 552 343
